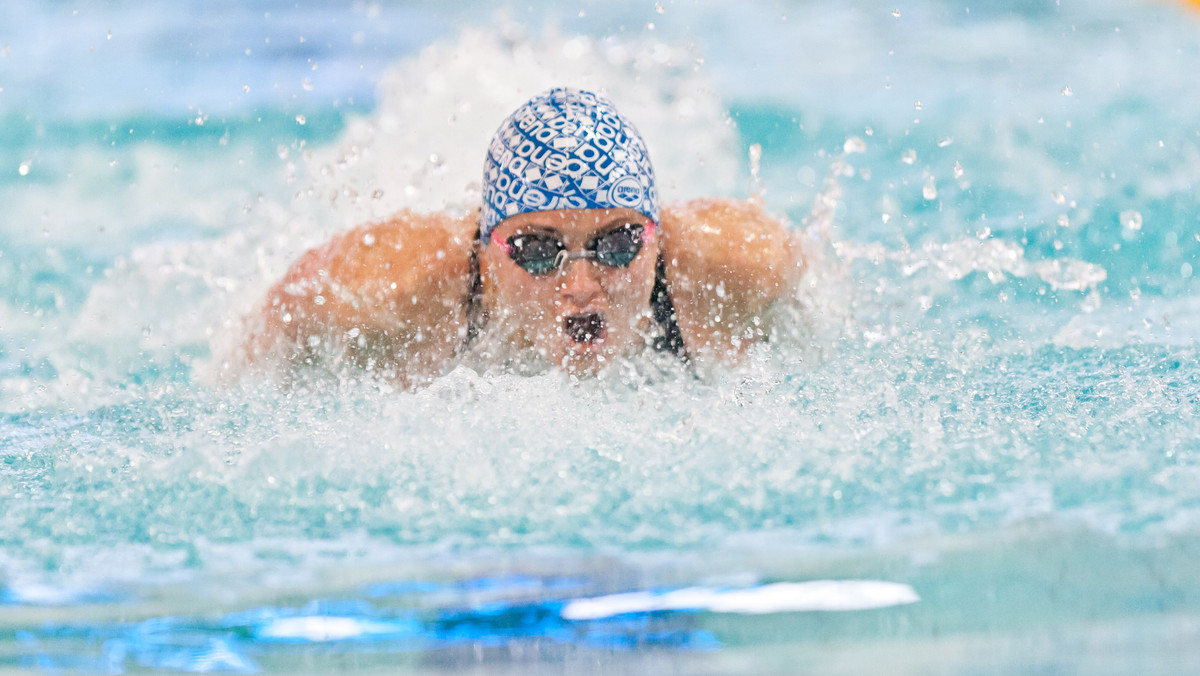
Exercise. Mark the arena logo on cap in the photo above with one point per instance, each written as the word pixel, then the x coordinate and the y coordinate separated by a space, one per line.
pixel 626 192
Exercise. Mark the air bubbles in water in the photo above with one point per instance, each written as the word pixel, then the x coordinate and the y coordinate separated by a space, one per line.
pixel 930 191
pixel 23 169
pixel 909 156
pixel 896 13
pixel 945 142
pixel 854 144
pixel 1063 221
pixel 307 85
pixel 1131 220
pixel 1066 91
pixel 958 170
pixel 300 119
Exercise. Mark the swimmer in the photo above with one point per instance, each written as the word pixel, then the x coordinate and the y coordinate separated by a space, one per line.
pixel 571 263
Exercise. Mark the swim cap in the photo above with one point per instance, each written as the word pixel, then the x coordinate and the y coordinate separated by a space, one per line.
pixel 566 149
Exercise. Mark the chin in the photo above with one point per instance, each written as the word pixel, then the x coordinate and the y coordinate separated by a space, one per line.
pixel 589 358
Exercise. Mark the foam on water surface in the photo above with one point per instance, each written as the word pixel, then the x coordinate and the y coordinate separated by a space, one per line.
pixel 981 409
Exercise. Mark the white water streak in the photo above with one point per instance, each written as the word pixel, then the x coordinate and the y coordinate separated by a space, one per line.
pixel 781 597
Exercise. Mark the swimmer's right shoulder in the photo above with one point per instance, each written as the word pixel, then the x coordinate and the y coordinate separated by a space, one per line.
pixel 390 296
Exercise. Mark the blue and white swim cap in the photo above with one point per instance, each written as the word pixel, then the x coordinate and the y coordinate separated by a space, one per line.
pixel 566 149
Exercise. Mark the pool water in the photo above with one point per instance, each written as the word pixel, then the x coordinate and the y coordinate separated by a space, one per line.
pixel 973 445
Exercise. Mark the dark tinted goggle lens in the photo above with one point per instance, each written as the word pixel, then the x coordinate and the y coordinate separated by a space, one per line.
pixel 538 253
pixel 617 248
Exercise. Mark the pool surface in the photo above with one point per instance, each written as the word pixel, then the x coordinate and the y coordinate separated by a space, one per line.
pixel 972 446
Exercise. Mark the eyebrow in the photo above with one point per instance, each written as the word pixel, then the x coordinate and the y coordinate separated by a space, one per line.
pixel 618 222
pixel 536 228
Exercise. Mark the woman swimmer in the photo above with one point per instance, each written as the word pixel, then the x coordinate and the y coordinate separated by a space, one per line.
pixel 570 263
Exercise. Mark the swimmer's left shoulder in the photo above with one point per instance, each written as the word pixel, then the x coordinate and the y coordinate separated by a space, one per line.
pixel 727 261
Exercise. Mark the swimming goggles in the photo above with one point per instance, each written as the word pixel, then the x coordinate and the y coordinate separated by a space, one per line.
pixel 541 253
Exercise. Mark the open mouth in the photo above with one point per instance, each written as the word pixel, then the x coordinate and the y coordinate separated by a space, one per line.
pixel 585 328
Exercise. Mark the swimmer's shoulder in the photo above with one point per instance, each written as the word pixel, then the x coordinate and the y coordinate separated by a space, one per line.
pixel 389 295
pixel 727 262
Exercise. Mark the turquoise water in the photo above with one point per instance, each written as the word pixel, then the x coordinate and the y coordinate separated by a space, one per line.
pixel 972 447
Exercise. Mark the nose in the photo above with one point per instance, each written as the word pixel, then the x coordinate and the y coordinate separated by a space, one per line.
pixel 579 283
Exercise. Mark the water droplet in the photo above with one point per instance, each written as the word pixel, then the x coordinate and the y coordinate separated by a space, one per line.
pixel 1131 220
pixel 1063 221
pixel 1185 270
pixel 246 88
pixel 110 35
pixel 1058 197
pixel 319 300
pixel 658 7
pixel 282 151
pixel 886 217
pixel 650 26
pixel 958 170
pixel 307 85
pixel 314 341
pixel 918 105
pixel 854 144
pixel 368 239
pixel 869 131
pixel 300 119
pixel 1066 91
pixel 23 169
pixel 930 189
pixel 896 13
pixel 909 156
pixel 945 142
pixel 984 232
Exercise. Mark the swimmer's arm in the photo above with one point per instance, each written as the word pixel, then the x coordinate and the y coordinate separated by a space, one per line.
pixel 388 296
pixel 727 262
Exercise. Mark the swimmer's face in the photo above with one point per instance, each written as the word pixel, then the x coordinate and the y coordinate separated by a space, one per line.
pixel 590 308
